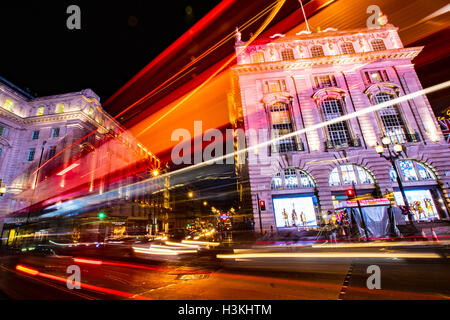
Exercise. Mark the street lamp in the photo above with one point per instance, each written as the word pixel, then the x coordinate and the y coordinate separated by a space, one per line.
pixel 392 157
pixel 190 194
pixel 2 191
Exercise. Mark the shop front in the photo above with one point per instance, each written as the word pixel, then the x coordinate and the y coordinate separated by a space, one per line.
pixel 372 217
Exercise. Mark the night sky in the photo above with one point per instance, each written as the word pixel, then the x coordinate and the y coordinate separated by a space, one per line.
pixel 117 39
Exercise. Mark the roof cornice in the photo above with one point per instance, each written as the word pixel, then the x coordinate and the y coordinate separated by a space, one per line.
pixel 343 59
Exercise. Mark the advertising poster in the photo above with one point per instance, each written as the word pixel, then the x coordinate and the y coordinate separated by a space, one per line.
pixel 294 211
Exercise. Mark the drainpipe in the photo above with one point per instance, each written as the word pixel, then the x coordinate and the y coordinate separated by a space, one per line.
pixel 301 116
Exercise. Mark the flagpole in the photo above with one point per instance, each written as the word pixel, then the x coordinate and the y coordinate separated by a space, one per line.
pixel 304 15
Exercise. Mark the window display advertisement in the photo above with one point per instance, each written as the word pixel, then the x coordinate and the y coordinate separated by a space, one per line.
pixel 294 212
pixel 421 203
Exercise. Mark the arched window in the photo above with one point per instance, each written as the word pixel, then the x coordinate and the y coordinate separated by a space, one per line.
pixel 292 178
pixel 281 125
pixel 347 174
pixel 411 170
pixel 287 54
pixel 338 133
pixel 393 124
pixel 347 48
pixel 317 51
pixel 258 57
pixel 277 182
pixel 378 45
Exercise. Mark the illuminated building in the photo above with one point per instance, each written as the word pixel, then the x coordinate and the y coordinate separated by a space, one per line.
pixel 44 161
pixel 292 82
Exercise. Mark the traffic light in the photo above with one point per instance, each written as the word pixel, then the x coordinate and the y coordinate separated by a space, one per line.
pixel 262 205
pixel 350 193
pixel 101 215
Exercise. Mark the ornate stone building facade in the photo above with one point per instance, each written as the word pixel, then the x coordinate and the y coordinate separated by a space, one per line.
pixel 34 130
pixel 294 83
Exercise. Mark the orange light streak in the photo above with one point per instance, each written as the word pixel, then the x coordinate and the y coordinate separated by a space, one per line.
pixel 34 272
pixel 158 88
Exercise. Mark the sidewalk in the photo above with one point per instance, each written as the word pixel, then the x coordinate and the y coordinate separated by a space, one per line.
pixel 440 228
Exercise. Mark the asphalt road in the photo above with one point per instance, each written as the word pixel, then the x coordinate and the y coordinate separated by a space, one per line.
pixel 206 278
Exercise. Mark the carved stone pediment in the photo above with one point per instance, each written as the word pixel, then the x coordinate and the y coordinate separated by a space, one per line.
pixel 387 87
pixel 329 92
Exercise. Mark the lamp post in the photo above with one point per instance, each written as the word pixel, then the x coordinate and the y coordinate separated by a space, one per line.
pixel 392 157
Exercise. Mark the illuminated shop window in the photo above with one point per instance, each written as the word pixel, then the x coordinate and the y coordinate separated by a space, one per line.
pixel 378 45
pixel 347 48
pixel 287 54
pixel 40 111
pixel 60 108
pixel 289 178
pixel 317 51
pixel 411 170
pixel 348 174
pixel 393 124
pixel 258 57
pixel 8 104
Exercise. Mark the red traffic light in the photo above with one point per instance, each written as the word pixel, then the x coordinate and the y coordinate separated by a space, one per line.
pixel 350 193
pixel 262 205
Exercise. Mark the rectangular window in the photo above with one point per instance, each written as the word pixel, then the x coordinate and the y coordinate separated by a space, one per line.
pixel 376 76
pixel 338 132
pixel 40 111
pixel 60 108
pixel 31 153
pixel 325 81
pixel 91 112
pixel 35 135
pixel 348 174
pixel 258 57
pixel 55 132
pixel 287 54
pixel 282 125
pixel 51 152
pixel 4 132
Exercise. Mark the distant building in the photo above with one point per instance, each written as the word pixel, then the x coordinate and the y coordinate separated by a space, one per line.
pixel 289 83
pixel 36 130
